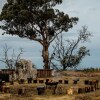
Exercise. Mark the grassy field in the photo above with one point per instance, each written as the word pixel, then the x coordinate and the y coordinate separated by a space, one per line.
pixel 32 94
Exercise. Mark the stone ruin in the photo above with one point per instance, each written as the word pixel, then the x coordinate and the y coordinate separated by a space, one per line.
pixel 24 70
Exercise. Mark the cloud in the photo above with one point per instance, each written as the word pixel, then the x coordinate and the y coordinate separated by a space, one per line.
pixel 2 2
pixel 88 13
pixel 74 11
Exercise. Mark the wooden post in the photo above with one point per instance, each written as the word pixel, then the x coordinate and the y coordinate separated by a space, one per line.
pixel 60 81
pixel 41 81
pixel 41 90
pixel 66 81
pixel 21 91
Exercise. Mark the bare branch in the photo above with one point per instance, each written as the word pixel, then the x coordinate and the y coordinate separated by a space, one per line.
pixel 70 55
pixel 10 61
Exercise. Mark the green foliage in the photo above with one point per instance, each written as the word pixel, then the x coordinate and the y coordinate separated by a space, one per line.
pixel 74 60
pixel 20 16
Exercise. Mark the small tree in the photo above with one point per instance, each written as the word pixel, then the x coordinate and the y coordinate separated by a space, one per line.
pixel 13 59
pixel 68 53
pixel 36 20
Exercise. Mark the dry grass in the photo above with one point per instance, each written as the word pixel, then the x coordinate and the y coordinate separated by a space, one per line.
pixel 31 89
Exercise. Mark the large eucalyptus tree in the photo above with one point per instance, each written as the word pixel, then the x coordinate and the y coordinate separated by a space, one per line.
pixel 37 20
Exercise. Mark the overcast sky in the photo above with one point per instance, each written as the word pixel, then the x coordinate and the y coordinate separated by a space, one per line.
pixel 88 13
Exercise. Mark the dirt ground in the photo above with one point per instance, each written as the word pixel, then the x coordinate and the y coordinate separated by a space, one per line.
pixel 32 94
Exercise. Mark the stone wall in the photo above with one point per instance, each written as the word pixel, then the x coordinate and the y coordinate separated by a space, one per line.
pixel 24 70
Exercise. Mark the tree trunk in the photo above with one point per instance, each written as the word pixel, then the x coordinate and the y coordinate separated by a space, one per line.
pixel 45 54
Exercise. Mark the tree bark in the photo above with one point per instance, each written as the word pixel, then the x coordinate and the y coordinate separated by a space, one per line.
pixel 45 54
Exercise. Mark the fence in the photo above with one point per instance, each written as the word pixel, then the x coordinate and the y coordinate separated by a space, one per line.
pixel 44 73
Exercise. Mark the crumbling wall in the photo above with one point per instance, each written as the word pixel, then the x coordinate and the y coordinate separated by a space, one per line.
pixel 24 70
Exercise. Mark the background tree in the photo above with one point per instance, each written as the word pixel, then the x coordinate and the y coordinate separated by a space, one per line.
pixel 10 60
pixel 68 53
pixel 36 20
